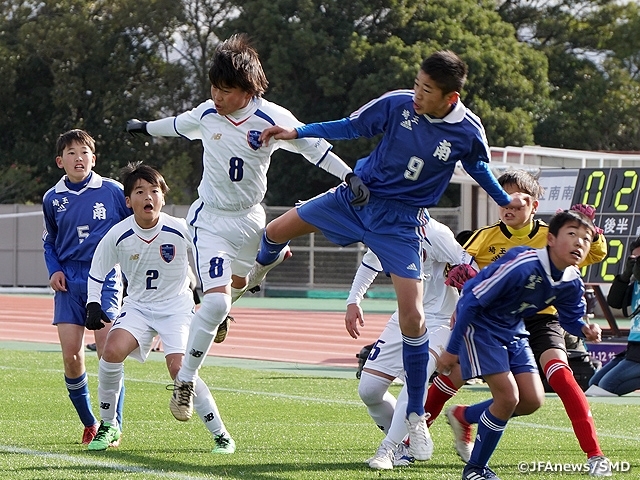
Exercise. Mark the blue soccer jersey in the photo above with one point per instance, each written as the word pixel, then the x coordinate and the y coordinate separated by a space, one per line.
pixel 416 157
pixel 75 221
pixel 518 285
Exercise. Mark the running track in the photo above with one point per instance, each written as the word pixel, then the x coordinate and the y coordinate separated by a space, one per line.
pixel 317 338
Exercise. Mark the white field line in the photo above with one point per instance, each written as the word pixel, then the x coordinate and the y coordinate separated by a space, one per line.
pixel 75 460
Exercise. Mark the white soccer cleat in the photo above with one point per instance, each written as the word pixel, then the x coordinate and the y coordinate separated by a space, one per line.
pixel 596 391
pixel 461 432
pixel 420 442
pixel 259 271
pixel 383 459
pixel 599 466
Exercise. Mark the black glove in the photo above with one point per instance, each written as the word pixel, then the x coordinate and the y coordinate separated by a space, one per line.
pixel 137 128
pixel 95 316
pixel 629 266
pixel 359 189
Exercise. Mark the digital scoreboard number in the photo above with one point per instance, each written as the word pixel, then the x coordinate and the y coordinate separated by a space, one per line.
pixel 614 194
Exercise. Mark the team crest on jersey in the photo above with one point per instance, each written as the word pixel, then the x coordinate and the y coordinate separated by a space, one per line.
pixel 252 139
pixel 168 252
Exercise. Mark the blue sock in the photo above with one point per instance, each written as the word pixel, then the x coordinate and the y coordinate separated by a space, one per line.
pixel 490 431
pixel 473 412
pixel 269 250
pixel 120 406
pixel 79 394
pixel 415 355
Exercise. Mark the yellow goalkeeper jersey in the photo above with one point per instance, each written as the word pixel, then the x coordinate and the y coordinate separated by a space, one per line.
pixel 489 243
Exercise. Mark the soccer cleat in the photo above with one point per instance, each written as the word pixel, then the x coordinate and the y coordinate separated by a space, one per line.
pixel 599 466
pixel 461 431
pixel 402 457
pixel 383 459
pixel 89 433
pixel 105 437
pixel 473 472
pixel 259 271
pixel 420 442
pixel 223 329
pixel 224 444
pixel 181 403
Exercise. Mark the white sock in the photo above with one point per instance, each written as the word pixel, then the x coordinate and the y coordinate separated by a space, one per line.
pixel 214 309
pixel 206 408
pixel 398 429
pixel 374 392
pixel 110 378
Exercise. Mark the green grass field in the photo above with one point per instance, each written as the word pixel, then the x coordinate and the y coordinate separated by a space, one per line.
pixel 286 426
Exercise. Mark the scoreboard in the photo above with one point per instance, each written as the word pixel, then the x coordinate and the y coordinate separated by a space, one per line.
pixel 614 192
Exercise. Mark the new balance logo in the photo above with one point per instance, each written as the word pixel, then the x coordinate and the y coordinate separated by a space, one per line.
pixel 105 405
pixel 412 266
pixel 195 353
pixel 208 417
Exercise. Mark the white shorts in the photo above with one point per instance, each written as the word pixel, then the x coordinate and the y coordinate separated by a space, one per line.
pixel 386 354
pixel 169 319
pixel 224 242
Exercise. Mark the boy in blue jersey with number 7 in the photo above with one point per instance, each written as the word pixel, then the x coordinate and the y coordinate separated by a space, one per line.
pixel 490 338
pixel 78 211
pixel 425 132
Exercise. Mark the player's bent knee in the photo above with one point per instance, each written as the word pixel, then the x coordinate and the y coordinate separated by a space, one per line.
pixel 372 388
pixel 214 308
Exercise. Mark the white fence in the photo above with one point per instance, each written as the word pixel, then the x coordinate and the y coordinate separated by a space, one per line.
pixel 317 264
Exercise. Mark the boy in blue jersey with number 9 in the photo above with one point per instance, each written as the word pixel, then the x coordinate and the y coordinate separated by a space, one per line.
pixel 425 132
pixel 78 212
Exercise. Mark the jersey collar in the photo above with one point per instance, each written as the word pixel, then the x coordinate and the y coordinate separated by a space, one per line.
pixel 570 273
pixel 94 182
pixel 456 115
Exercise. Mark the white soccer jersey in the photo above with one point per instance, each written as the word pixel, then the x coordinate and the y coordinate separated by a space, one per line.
pixel 235 165
pixel 154 261
pixel 440 248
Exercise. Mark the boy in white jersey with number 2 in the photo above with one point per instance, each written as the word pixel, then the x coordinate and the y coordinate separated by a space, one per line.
pixel 227 220
pixel 151 248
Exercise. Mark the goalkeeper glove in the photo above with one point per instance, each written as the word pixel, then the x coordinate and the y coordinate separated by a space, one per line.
pixel 95 316
pixel 359 189
pixel 459 274
pixel 137 128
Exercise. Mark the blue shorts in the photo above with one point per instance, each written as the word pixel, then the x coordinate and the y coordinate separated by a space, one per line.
pixel 486 354
pixel 391 229
pixel 71 306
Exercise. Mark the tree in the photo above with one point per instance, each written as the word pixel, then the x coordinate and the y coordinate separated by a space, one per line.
pixel 326 58
pixel 79 64
pixel 593 47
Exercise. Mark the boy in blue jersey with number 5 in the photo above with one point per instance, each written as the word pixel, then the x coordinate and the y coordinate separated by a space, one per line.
pixel 424 133
pixel 490 338
pixel 78 211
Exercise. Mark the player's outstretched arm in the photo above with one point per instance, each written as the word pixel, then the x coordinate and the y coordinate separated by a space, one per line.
pixel 137 128
pixel 277 133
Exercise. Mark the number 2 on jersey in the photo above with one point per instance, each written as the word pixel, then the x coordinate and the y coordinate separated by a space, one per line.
pixel 151 275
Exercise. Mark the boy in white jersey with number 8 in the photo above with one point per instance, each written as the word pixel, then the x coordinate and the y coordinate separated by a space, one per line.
pixel 151 248
pixel 227 220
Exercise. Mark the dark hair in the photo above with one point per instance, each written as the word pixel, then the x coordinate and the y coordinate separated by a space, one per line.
pixel 463 236
pixel 76 135
pixel 236 64
pixel 633 245
pixel 523 181
pixel 563 217
pixel 446 69
pixel 138 171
